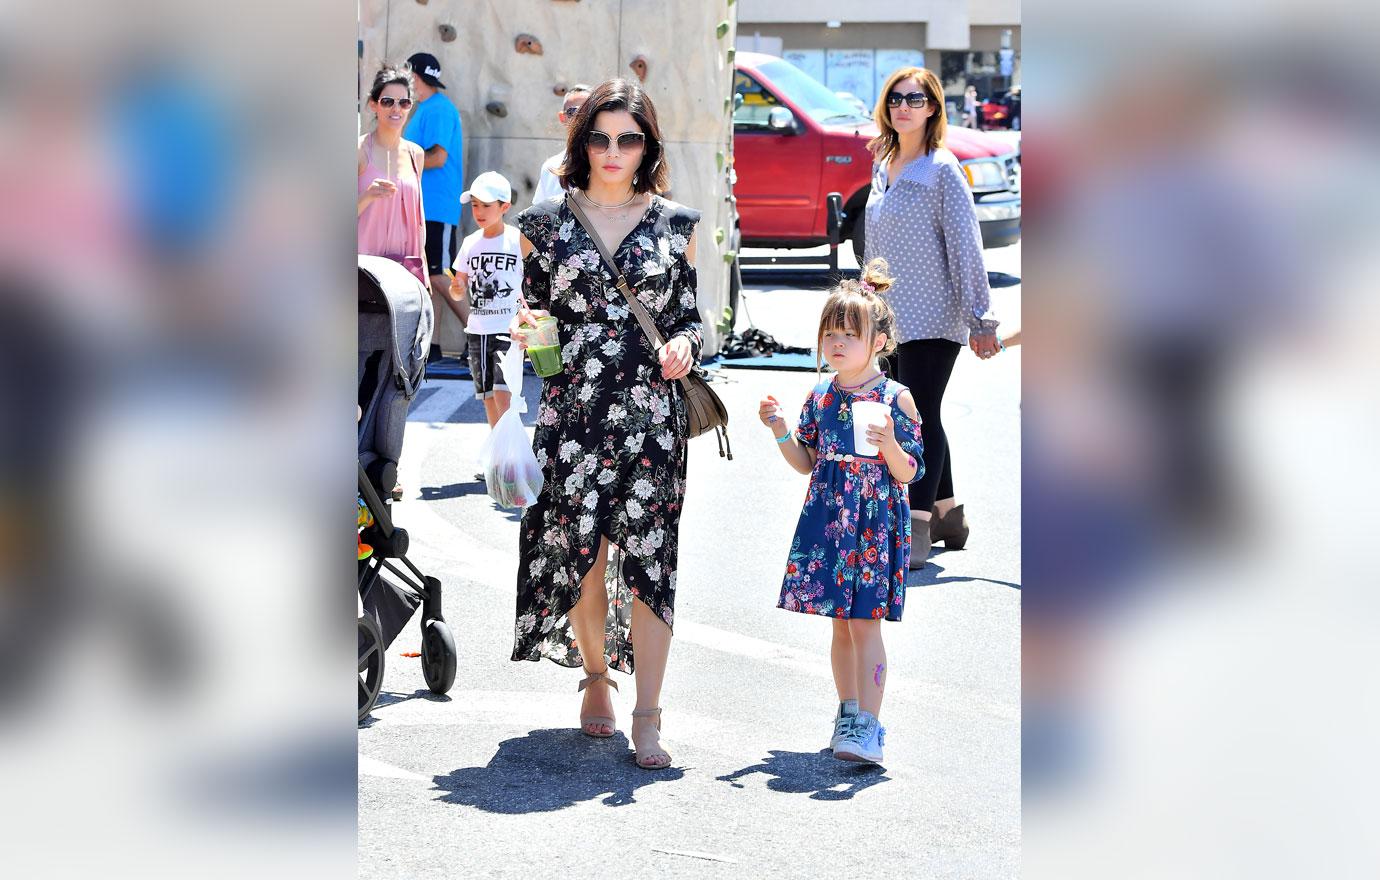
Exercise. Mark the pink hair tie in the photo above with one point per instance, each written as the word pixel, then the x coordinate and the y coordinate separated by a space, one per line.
pixel 867 286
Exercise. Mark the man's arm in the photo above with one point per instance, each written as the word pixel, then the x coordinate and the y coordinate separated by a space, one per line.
pixel 435 157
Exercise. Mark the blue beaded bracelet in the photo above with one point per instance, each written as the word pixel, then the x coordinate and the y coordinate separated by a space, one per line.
pixel 783 438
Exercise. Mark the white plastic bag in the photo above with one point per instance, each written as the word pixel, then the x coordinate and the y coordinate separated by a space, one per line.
pixel 511 472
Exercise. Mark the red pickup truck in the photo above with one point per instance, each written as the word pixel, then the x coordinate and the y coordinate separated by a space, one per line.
pixel 795 141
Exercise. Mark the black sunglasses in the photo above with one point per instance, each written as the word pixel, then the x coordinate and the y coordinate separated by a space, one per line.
pixel 915 100
pixel 628 141
pixel 389 101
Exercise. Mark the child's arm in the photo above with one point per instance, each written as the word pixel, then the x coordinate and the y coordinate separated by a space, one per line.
pixel 901 464
pixel 797 455
pixel 458 297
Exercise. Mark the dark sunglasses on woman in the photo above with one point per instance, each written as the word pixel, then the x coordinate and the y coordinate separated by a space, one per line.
pixel 627 141
pixel 915 100
pixel 390 101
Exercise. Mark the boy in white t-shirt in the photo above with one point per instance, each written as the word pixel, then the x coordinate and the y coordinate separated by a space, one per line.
pixel 488 272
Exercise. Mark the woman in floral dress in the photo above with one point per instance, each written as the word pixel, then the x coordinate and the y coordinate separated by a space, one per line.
pixel 597 575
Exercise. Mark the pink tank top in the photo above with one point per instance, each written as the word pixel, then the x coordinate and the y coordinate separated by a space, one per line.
pixel 391 227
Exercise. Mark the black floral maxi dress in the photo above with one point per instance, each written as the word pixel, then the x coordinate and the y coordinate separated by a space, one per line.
pixel 611 433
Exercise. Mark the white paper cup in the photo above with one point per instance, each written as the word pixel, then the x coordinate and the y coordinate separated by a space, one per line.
pixel 867 413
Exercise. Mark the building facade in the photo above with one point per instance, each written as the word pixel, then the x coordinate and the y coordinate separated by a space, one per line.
pixel 853 48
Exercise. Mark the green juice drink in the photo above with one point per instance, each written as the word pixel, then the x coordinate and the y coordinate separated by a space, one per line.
pixel 546 359
pixel 543 345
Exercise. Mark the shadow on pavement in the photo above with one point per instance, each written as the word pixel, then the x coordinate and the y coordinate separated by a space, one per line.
pixel 461 490
pixel 930 576
pixel 388 698
pixel 819 773
pixel 454 490
pixel 550 770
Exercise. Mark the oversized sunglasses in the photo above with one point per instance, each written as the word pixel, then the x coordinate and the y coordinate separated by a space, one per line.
pixel 628 141
pixel 915 100
pixel 389 101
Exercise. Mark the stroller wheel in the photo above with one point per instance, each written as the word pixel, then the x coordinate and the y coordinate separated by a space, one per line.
pixel 438 656
pixel 371 654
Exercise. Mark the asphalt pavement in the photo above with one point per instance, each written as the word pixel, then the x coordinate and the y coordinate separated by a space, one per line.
pixel 495 779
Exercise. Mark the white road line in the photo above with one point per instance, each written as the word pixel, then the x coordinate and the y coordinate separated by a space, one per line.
pixel 750 648
pixel 374 767
pixel 439 540
pixel 518 712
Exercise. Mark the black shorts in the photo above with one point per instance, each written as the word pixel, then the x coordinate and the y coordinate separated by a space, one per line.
pixel 484 352
pixel 440 247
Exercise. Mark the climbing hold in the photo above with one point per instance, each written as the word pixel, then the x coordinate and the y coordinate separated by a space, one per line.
pixel 719 236
pixel 447 33
pixel 732 53
pixel 722 29
pixel 719 162
pixel 528 45
pixel 497 108
pixel 639 67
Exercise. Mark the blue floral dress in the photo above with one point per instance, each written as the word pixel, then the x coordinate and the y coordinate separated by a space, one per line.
pixel 852 545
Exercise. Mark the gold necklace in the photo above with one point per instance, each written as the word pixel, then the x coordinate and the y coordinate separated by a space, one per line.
pixel 607 209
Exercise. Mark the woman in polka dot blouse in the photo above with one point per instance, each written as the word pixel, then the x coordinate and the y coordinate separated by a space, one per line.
pixel 920 219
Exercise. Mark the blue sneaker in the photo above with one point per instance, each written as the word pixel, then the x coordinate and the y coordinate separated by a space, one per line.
pixel 863 741
pixel 843 721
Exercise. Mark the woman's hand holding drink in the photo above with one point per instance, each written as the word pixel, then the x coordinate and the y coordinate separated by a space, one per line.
pixel 527 318
pixel 539 335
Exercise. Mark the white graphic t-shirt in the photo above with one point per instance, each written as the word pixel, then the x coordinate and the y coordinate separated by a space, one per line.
pixel 494 267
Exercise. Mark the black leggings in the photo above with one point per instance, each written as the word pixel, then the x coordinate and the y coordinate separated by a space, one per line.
pixel 924 366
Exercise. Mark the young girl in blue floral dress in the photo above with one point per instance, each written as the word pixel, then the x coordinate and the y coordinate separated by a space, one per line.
pixel 851 549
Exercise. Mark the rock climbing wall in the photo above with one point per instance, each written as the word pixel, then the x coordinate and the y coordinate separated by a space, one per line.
pixel 507 62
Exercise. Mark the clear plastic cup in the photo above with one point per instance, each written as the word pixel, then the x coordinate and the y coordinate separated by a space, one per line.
pixel 543 345
pixel 866 414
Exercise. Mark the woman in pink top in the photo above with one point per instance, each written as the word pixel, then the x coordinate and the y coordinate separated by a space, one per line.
pixel 391 222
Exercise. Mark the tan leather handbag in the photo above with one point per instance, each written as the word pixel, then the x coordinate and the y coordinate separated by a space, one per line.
pixel 705 410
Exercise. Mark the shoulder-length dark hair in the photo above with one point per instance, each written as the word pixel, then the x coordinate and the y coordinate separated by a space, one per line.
pixel 616 94
pixel 887 142
pixel 388 75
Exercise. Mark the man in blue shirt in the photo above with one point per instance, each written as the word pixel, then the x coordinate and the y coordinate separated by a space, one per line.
pixel 435 127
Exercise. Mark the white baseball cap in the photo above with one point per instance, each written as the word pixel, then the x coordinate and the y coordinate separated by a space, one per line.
pixel 489 187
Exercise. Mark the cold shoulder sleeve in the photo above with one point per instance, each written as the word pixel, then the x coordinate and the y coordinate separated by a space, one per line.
pixel 538 224
pixel 908 436
pixel 807 429
pixel 683 309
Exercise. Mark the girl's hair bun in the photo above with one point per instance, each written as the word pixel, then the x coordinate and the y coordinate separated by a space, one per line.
pixel 874 276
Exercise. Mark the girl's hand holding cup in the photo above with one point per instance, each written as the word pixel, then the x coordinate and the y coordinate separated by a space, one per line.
pixel 883 436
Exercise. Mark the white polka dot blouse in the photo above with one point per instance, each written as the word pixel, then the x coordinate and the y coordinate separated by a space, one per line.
pixel 925 227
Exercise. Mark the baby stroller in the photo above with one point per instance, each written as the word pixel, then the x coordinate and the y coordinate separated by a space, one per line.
pixel 395 324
